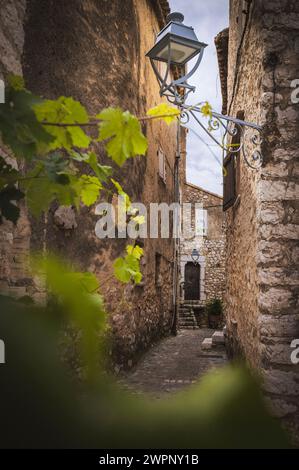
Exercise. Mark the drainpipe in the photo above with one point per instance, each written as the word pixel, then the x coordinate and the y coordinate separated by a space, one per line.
pixel 177 238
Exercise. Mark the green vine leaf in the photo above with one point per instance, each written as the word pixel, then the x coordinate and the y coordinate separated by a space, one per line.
pixel 128 268
pixel 20 129
pixel 90 189
pixel 41 192
pixel 8 174
pixel 165 112
pixel 136 251
pixel 16 82
pixel 206 109
pixel 124 135
pixel 8 208
pixel 123 194
pixel 102 171
pixel 64 111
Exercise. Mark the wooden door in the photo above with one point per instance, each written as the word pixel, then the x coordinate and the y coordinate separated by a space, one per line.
pixel 192 281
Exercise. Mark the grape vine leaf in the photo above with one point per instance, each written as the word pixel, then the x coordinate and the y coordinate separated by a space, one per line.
pixel 165 112
pixel 123 194
pixel 102 171
pixel 8 174
pixel 90 189
pixel 8 209
pixel 20 129
pixel 206 109
pixel 16 82
pixel 64 111
pixel 124 135
pixel 136 251
pixel 128 268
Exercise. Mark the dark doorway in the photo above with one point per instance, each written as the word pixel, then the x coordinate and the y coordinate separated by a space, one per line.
pixel 192 281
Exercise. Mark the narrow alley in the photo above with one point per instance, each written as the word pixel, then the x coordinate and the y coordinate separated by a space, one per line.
pixel 174 363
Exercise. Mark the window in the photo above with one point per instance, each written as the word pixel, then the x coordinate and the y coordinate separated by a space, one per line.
pixel 158 273
pixel 162 165
pixel 201 222
pixel 231 172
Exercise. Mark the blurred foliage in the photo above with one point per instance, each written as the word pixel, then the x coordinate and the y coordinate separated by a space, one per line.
pixel 76 295
pixel 41 408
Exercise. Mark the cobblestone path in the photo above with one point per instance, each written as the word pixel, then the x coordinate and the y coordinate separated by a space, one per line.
pixel 174 363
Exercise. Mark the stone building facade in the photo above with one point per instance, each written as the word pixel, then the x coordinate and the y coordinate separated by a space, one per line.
pixel 95 52
pixel 203 280
pixel 261 57
pixel 14 240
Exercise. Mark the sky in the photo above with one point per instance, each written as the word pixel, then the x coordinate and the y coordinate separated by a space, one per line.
pixel 207 18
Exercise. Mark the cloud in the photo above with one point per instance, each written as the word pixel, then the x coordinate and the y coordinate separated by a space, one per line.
pixel 207 19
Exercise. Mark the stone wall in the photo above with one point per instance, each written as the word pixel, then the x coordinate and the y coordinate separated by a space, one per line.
pixel 211 247
pixel 262 283
pixel 68 50
pixel 14 240
pixel 95 51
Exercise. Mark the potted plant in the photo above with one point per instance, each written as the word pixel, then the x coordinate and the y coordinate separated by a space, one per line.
pixel 214 311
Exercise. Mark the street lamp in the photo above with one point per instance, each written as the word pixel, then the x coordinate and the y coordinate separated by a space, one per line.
pixel 195 256
pixel 175 46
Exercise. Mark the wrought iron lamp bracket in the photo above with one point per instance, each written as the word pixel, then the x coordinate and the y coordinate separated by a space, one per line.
pixel 250 133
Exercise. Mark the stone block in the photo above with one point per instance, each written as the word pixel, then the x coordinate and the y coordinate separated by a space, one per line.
pixel 279 326
pixel 207 343
pixel 280 382
pixel 277 190
pixel 281 408
pixel 278 353
pixel 274 300
pixel 218 338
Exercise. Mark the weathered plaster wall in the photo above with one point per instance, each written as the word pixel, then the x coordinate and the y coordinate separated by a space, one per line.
pixel 210 247
pixel 262 249
pixel 95 52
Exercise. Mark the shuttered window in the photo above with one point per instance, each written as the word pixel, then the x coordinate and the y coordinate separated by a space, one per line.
pixel 162 164
pixel 231 172
pixel 201 222
pixel 229 181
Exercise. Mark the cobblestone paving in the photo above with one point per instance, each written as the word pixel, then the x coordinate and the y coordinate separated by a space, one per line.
pixel 174 363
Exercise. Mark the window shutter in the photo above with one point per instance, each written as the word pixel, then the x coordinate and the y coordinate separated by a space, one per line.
pixel 229 181
pixel 201 222
pixel 162 165
pixel 231 173
pixel 205 222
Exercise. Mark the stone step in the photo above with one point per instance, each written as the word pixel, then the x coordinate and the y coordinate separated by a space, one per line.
pixel 187 317
pixel 188 327
pixel 218 338
pixel 207 343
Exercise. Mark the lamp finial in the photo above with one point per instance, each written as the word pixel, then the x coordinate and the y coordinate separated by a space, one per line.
pixel 176 17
